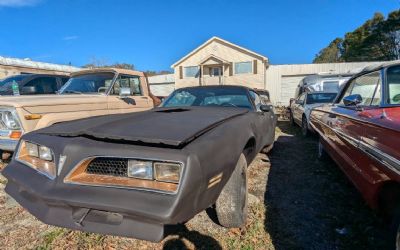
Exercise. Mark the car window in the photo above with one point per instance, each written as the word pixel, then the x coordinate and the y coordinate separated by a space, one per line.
pixel 210 96
pixel 393 85
pixel 330 86
pixel 64 80
pixel 256 99
pixel 43 85
pixel 367 86
pixel 320 98
pixel 132 82
pixel 93 83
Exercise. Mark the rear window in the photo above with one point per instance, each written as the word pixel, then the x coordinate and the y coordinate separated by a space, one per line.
pixel 320 98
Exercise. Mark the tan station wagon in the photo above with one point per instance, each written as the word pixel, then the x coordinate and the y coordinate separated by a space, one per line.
pixel 88 93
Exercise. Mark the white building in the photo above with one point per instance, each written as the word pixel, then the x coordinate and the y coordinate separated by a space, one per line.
pixel 221 62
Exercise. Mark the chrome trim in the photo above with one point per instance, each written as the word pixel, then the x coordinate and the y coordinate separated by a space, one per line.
pixel 122 187
pixel 347 138
pixel 8 144
pixel 389 161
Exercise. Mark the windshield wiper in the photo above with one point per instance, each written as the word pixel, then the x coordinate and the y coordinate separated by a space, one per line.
pixel 72 92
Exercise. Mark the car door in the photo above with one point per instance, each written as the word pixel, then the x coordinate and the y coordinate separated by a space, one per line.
pixel 347 123
pixel 264 122
pixel 135 101
pixel 298 109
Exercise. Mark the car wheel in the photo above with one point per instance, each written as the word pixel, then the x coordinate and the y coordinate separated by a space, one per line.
pixel 304 127
pixel 291 119
pixel 231 205
pixel 322 155
pixel 398 237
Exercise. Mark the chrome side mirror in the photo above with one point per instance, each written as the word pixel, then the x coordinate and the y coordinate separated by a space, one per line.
pixel 352 100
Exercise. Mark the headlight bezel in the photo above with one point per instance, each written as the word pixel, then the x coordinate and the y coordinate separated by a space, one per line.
pixel 44 167
pixel 78 175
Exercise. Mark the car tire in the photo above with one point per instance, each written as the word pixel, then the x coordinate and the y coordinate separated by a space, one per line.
pixel 321 153
pixel 231 205
pixel 395 231
pixel 291 119
pixel 304 127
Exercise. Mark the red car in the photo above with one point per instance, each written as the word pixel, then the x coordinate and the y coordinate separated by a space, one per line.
pixel 361 133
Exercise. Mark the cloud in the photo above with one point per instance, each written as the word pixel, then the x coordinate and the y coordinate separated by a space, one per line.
pixel 18 3
pixel 68 38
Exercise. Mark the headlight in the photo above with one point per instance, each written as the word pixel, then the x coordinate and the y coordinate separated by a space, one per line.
pixel 140 169
pixel 9 120
pixel 168 172
pixel 159 171
pixel 38 157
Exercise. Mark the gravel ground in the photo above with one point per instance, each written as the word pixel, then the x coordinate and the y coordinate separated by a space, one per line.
pixel 296 202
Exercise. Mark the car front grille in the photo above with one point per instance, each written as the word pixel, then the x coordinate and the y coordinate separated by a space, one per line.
pixel 108 166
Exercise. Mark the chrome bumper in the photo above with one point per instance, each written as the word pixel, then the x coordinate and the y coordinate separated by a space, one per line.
pixel 8 144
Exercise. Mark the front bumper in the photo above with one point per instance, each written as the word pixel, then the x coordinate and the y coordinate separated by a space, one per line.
pixel 79 217
pixel 114 211
pixel 8 144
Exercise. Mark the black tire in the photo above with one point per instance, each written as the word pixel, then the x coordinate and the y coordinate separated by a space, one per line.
pixel 304 127
pixel 321 153
pixel 231 205
pixel 291 119
pixel 395 231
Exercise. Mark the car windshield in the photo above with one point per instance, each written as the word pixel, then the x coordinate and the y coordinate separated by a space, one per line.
pixel 209 96
pixel 6 84
pixel 88 84
pixel 320 98
pixel 393 85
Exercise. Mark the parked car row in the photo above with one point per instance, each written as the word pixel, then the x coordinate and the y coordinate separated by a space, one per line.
pixel 168 163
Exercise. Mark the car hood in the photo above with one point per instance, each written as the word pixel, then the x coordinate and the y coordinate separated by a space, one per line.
pixel 174 127
pixel 27 101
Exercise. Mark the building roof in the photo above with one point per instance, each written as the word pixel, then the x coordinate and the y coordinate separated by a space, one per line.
pixel 114 70
pixel 27 63
pixel 212 39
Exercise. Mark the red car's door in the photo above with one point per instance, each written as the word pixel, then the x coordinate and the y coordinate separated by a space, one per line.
pixel 343 128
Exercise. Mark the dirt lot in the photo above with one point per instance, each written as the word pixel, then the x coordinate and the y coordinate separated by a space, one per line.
pixel 296 202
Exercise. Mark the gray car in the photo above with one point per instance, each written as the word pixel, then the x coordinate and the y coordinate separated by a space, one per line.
pixel 300 109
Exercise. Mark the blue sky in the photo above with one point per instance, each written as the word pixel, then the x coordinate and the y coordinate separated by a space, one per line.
pixel 154 34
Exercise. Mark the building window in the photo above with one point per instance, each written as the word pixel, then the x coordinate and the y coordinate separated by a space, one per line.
pixel 192 71
pixel 243 67
pixel 216 71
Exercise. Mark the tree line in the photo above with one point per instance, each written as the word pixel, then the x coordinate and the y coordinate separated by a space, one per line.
pixel 101 63
pixel 378 39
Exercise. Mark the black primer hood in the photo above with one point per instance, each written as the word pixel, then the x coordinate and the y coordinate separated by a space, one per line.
pixel 174 127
